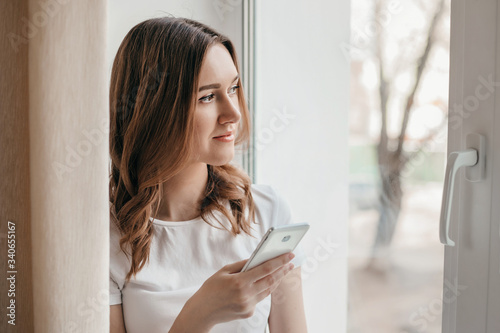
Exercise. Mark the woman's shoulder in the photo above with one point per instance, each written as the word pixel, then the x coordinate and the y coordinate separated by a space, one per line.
pixel 262 190
pixel 264 195
pixel 267 193
pixel 270 202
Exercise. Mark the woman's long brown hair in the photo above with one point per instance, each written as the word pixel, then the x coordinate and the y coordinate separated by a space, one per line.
pixel 152 92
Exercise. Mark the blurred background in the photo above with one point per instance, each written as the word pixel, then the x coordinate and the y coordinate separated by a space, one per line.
pixel 399 52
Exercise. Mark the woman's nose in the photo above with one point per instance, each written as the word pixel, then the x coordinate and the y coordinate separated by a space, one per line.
pixel 229 110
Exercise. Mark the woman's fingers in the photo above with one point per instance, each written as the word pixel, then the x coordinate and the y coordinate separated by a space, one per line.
pixel 271 281
pixel 230 294
pixel 268 267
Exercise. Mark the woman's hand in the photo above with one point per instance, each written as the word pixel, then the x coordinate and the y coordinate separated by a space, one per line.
pixel 230 294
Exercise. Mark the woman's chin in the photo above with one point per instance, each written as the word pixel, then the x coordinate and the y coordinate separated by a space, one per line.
pixel 223 160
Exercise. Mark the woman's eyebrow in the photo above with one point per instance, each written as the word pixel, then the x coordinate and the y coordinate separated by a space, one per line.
pixel 215 85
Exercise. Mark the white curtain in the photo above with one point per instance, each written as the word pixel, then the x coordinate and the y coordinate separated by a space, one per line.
pixel 58 92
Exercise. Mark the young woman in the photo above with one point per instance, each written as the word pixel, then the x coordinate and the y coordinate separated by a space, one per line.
pixel 183 219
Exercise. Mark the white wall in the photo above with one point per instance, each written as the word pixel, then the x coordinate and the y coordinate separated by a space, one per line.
pixel 123 15
pixel 302 105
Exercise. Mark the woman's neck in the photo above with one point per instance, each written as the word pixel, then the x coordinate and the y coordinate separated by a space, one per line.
pixel 183 194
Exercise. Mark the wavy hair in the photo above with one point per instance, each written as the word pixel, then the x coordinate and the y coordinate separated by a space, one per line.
pixel 152 94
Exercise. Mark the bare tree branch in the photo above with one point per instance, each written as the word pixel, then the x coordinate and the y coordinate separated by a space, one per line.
pixel 405 55
pixel 421 65
pixel 425 141
pixel 383 87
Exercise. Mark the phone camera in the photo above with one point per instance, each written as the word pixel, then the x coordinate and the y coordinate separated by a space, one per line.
pixel 286 238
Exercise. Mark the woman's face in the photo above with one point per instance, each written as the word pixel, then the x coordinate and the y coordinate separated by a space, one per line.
pixel 217 109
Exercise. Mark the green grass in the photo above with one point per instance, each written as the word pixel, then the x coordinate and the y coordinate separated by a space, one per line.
pixel 427 166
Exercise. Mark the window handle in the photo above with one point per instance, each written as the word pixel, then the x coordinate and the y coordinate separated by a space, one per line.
pixel 456 160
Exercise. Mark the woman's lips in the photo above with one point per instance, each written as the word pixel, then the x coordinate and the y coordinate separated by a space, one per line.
pixel 225 138
pixel 224 134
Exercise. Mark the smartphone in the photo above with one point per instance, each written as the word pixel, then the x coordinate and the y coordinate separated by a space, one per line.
pixel 277 241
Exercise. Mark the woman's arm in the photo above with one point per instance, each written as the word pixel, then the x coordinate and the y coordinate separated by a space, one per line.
pixel 287 305
pixel 116 319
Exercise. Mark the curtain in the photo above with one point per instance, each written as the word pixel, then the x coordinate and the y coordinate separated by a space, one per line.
pixel 54 143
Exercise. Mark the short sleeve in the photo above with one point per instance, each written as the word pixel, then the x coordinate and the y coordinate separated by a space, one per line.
pixel 115 294
pixel 283 216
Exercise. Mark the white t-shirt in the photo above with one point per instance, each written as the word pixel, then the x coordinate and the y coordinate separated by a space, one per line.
pixel 183 255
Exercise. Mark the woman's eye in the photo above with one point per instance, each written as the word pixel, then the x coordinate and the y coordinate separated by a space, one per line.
pixel 207 98
pixel 210 97
pixel 233 89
